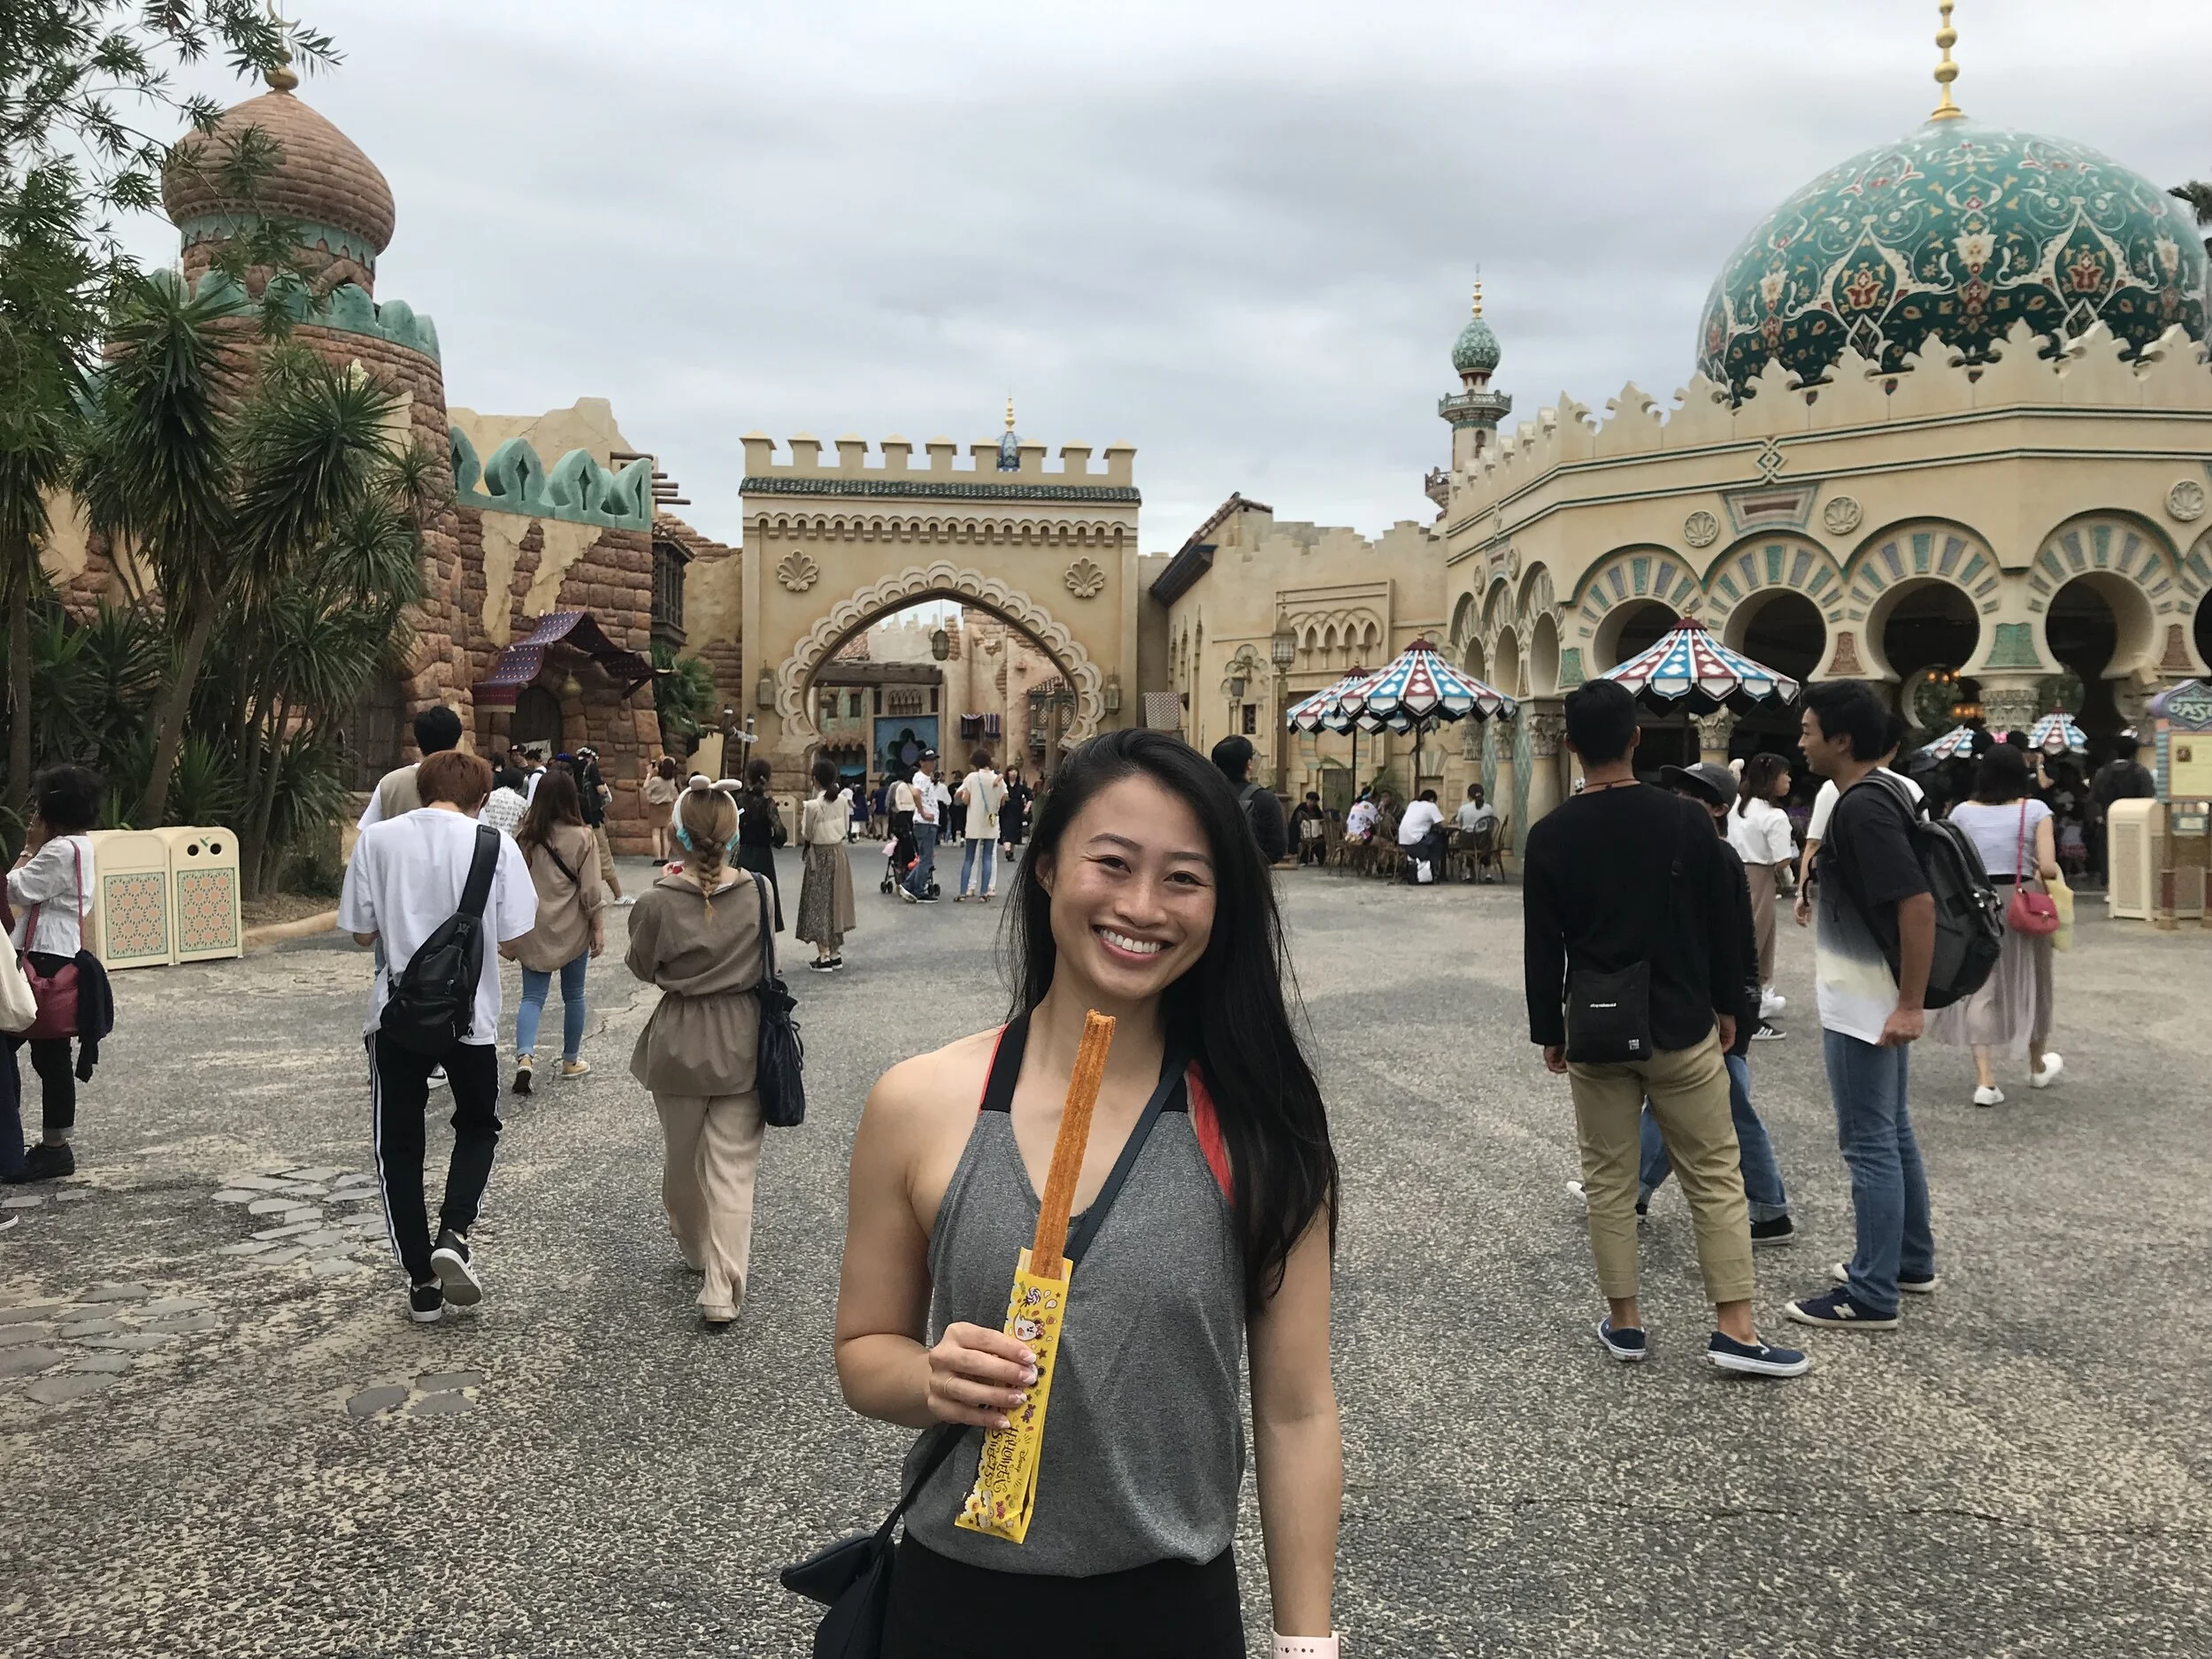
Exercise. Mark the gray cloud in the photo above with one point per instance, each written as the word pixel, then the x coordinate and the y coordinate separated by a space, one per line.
pixel 1240 237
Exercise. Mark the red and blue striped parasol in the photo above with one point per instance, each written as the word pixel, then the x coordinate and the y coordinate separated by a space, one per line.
pixel 2055 732
pixel 1955 744
pixel 1417 685
pixel 1325 709
pixel 1689 669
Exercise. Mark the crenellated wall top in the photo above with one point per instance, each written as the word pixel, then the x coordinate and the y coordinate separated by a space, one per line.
pixel 938 474
pixel 2168 377
pixel 346 308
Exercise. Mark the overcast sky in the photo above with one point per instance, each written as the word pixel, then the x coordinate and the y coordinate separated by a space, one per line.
pixel 1240 237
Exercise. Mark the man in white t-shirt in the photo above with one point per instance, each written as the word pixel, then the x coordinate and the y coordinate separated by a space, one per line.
pixel 1421 835
pixel 405 881
pixel 919 886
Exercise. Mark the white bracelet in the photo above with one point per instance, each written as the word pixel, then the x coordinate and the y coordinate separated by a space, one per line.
pixel 1308 1646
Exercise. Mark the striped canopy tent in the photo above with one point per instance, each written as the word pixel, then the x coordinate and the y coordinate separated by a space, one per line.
pixel 2055 733
pixel 1688 671
pixel 1325 709
pixel 1420 686
pixel 1955 744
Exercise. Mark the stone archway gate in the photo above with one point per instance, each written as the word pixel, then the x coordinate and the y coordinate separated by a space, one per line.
pixel 831 548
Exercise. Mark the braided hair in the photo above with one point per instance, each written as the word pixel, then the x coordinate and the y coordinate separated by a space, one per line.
pixel 707 815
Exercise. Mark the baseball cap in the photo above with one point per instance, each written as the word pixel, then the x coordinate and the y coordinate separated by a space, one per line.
pixel 1706 781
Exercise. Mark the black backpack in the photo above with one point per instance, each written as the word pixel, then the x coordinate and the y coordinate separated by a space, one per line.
pixel 433 1003
pixel 1970 917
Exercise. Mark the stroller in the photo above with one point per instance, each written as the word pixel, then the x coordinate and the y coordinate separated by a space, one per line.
pixel 900 856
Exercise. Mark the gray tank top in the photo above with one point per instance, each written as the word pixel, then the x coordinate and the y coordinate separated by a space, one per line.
pixel 1144 1439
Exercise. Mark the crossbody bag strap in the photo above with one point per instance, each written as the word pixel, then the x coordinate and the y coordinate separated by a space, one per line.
pixel 478 893
pixel 767 933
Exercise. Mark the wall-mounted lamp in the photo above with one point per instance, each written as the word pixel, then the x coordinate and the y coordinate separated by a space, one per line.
pixel 764 694
pixel 1113 693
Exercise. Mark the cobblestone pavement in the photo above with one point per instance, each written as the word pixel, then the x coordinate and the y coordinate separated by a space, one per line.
pixel 221 1435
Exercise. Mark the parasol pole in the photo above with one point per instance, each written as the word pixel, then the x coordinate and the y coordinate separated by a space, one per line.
pixel 1003 1500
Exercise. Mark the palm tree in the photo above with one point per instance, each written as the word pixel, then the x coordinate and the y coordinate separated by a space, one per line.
pixel 229 476
pixel 2198 197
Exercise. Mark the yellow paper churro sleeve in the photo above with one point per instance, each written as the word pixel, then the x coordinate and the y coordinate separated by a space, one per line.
pixel 1004 1497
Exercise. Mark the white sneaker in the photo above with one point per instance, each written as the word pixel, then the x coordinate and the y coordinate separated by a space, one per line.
pixel 1991 1095
pixel 2053 1064
pixel 1575 1190
pixel 1772 1003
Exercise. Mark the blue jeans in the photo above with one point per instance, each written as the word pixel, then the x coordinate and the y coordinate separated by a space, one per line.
pixel 925 869
pixel 988 848
pixel 534 987
pixel 1889 1188
pixel 1762 1175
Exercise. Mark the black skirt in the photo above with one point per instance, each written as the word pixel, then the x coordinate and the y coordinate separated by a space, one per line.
pixel 763 859
pixel 942 1608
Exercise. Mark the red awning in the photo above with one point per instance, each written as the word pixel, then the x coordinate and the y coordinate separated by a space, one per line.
pixel 521 663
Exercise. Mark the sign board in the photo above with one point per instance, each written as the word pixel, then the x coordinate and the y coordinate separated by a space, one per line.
pixel 2184 716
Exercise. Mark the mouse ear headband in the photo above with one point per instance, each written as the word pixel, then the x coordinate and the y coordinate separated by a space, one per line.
pixel 699 784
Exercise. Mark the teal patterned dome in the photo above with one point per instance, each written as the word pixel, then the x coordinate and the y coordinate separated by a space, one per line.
pixel 1957 230
pixel 1476 347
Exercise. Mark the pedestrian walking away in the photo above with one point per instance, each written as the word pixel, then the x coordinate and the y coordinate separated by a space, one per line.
pixel 981 794
pixel 760 830
pixel 50 894
pixel 696 935
pixel 826 882
pixel 1143 897
pixel 593 795
pixel 2122 777
pixel 1714 788
pixel 1873 941
pixel 1634 975
pixel 1013 815
pixel 2013 833
pixel 405 890
pixel 509 800
pixel 1759 830
pixel 570 928
pixel 660 791
pixel 920 885
pixel 437 730
pixel 1235 758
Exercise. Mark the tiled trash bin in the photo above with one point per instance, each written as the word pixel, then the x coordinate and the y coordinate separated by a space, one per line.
pixel 204 891
pixel 133 924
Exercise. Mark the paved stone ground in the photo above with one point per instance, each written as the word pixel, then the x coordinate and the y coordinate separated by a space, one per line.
pixel 221 1436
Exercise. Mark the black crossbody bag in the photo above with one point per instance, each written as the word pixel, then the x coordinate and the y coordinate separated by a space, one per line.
pixel 1609 1015
pixel 853 1576
pixel 778 1073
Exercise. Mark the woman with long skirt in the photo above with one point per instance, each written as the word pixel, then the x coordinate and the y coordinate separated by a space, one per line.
pixel 2011 830
pixel 1143 897
pixel 760 830
pixel 825 884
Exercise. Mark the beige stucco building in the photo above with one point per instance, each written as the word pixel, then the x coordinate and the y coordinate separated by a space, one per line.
pixel 1952 423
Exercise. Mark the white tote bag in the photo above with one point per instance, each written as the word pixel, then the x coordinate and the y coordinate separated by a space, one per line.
pixel 19 1008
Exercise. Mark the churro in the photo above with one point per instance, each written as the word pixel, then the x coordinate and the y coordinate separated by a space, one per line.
pixel 1068 1145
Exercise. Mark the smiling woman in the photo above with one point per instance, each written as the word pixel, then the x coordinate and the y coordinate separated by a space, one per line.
pixel 1144 898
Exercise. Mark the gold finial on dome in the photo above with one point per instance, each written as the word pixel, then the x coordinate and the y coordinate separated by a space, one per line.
pixel 1946 71
pixel 1009 411
pixel 283 78
pixel 1478 290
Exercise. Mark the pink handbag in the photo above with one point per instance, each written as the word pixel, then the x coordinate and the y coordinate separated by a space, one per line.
pixel 2032 913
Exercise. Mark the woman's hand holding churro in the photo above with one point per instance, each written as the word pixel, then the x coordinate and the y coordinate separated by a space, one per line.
pixel 977 1376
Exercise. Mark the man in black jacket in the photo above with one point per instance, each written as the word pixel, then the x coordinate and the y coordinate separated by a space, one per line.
pixel 1622 877
pixel 1235 757
pixel 2122 777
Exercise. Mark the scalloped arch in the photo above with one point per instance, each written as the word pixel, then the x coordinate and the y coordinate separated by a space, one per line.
pixel 1761 564
pixel 1912 548
pixel 911 585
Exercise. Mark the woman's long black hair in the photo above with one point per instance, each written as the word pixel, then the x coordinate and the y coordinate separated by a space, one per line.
pixel 1228 1012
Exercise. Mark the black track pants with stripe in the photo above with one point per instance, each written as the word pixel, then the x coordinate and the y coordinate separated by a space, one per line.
pixel 401 1093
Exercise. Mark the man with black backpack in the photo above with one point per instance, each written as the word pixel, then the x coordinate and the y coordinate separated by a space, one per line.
pixel 1874 946
pixel 1263 811
pixel 438 892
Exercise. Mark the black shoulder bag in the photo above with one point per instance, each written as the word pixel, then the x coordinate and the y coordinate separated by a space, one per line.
pixel 852 1577
pixel 777 1071
pixel 1609 1015
pixel 433 1001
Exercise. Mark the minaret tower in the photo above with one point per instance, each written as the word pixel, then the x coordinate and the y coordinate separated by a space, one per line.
pixel 1474 411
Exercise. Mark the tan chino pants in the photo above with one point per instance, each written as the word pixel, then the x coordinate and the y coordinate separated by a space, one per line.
pixel 1689 1091
pixel 712 1155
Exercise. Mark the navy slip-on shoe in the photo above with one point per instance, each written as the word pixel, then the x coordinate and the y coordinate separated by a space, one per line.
pixel 1755 1359
pixel 1626 1344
